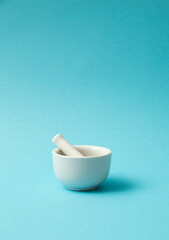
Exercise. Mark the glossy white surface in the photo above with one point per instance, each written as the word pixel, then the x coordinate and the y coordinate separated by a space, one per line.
pixel 82 173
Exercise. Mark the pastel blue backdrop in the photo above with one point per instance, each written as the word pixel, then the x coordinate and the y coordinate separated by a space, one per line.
pixel 97 72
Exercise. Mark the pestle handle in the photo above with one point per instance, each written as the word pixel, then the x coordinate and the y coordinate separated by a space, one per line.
pixel 66 147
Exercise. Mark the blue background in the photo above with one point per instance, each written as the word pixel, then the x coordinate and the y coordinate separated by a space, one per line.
pixel 97 72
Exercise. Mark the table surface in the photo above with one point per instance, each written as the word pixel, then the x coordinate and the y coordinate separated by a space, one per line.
pixel 97 72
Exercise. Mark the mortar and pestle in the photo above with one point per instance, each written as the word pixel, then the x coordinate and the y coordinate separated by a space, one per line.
pixel 80 167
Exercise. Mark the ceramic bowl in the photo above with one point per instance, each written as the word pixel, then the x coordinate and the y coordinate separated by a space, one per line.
pixel 82 173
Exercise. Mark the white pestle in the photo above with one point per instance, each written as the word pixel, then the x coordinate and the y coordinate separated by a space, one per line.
pixel 66 147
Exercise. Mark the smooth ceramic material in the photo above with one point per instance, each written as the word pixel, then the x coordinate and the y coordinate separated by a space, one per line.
pixel 65 146
pixel 82 173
